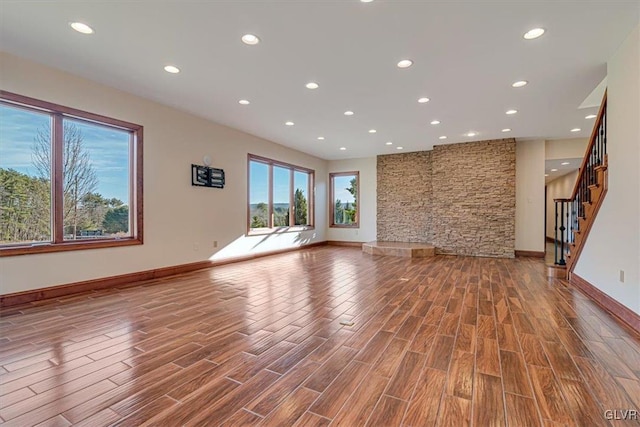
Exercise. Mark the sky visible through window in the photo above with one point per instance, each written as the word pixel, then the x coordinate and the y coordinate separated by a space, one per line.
pixel 260 190
pixel 107 147
pixel 281 179
pixel 258 174
pixel 340 185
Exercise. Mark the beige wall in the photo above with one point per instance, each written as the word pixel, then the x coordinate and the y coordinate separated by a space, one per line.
pixel 530 156
pixel 174 140
pixel 560 188
pixel 178 218
pixel 366 232
pixel 573 148
pixel 614 241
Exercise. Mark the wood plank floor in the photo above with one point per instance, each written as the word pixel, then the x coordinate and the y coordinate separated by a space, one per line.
pixel 435 341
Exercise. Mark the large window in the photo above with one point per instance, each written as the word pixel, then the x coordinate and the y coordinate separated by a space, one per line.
pixel 280 195
pixel 68 179
pixel 344 199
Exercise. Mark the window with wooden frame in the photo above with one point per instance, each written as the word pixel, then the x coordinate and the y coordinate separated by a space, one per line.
pixel 69 179
pixel 280 195
pixel 343 196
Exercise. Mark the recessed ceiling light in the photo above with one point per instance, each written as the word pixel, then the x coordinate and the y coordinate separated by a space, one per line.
pixel 250 39
pixel 244 102
pixel 546 174
pixel 172 69
pixel 343 148
pixel 321 138
pixel 520 83
pixel 399 148
pixel 506 130
pixel 590 116
pixel 82 28
pixel 372 131
pixel 289 123
pixel 554 170
pixel 471 134
pixel 405 63
pixel 423 100
pixel 435 122
pixel 312 85
pixel 348 113
pixel 534 33
pixel 575 130
pixel 510 112
pixel 442 137
pixel 565 163
pixel 388 143
pixel 366 1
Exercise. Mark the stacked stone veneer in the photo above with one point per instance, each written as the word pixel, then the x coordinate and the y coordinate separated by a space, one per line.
pixel 404 197
pixel 459 197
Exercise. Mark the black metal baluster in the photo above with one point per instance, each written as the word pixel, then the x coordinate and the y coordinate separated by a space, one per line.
pixel 587 195
pixel 593 167
pixel 562 235
pixel 584 199
pixel 599 141
pixel 576 203
pixel 578 198
pixel 570 212
pixel 602 138
pixel 568 227
pixel 555 236
pixel 604 130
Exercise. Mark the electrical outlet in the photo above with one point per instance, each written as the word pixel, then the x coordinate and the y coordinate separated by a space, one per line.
pixel 196 246
pixel 215 243
pixel 621 274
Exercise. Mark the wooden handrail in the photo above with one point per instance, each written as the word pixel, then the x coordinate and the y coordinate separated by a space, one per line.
pixel 592 141
pixel 577 213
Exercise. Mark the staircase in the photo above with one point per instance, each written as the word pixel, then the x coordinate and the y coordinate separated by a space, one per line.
pixel 575 216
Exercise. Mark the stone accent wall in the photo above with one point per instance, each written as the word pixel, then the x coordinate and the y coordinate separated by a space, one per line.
pixel 474 203
pixel 459 197
pixel 404 197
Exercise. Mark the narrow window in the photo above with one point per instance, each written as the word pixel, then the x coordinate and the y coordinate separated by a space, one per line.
pixel 281 196
pixel 25 176
pixel 258 195
pixel 301 198
pixel 344 199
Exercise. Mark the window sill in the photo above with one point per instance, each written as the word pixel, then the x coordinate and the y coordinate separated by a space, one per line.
pixel 41 248
pixel 279 230
pixel 344 226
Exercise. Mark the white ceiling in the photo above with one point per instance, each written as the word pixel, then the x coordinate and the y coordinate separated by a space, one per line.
pixel 466 55
pixel 560 169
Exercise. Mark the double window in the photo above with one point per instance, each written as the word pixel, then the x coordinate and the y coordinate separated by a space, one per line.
pixel 280 194
pixel 344 199
pixel 68 179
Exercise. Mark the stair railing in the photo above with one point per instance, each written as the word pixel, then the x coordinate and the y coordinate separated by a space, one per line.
pixel 594 157
pixel 570 213
pixel 564 226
